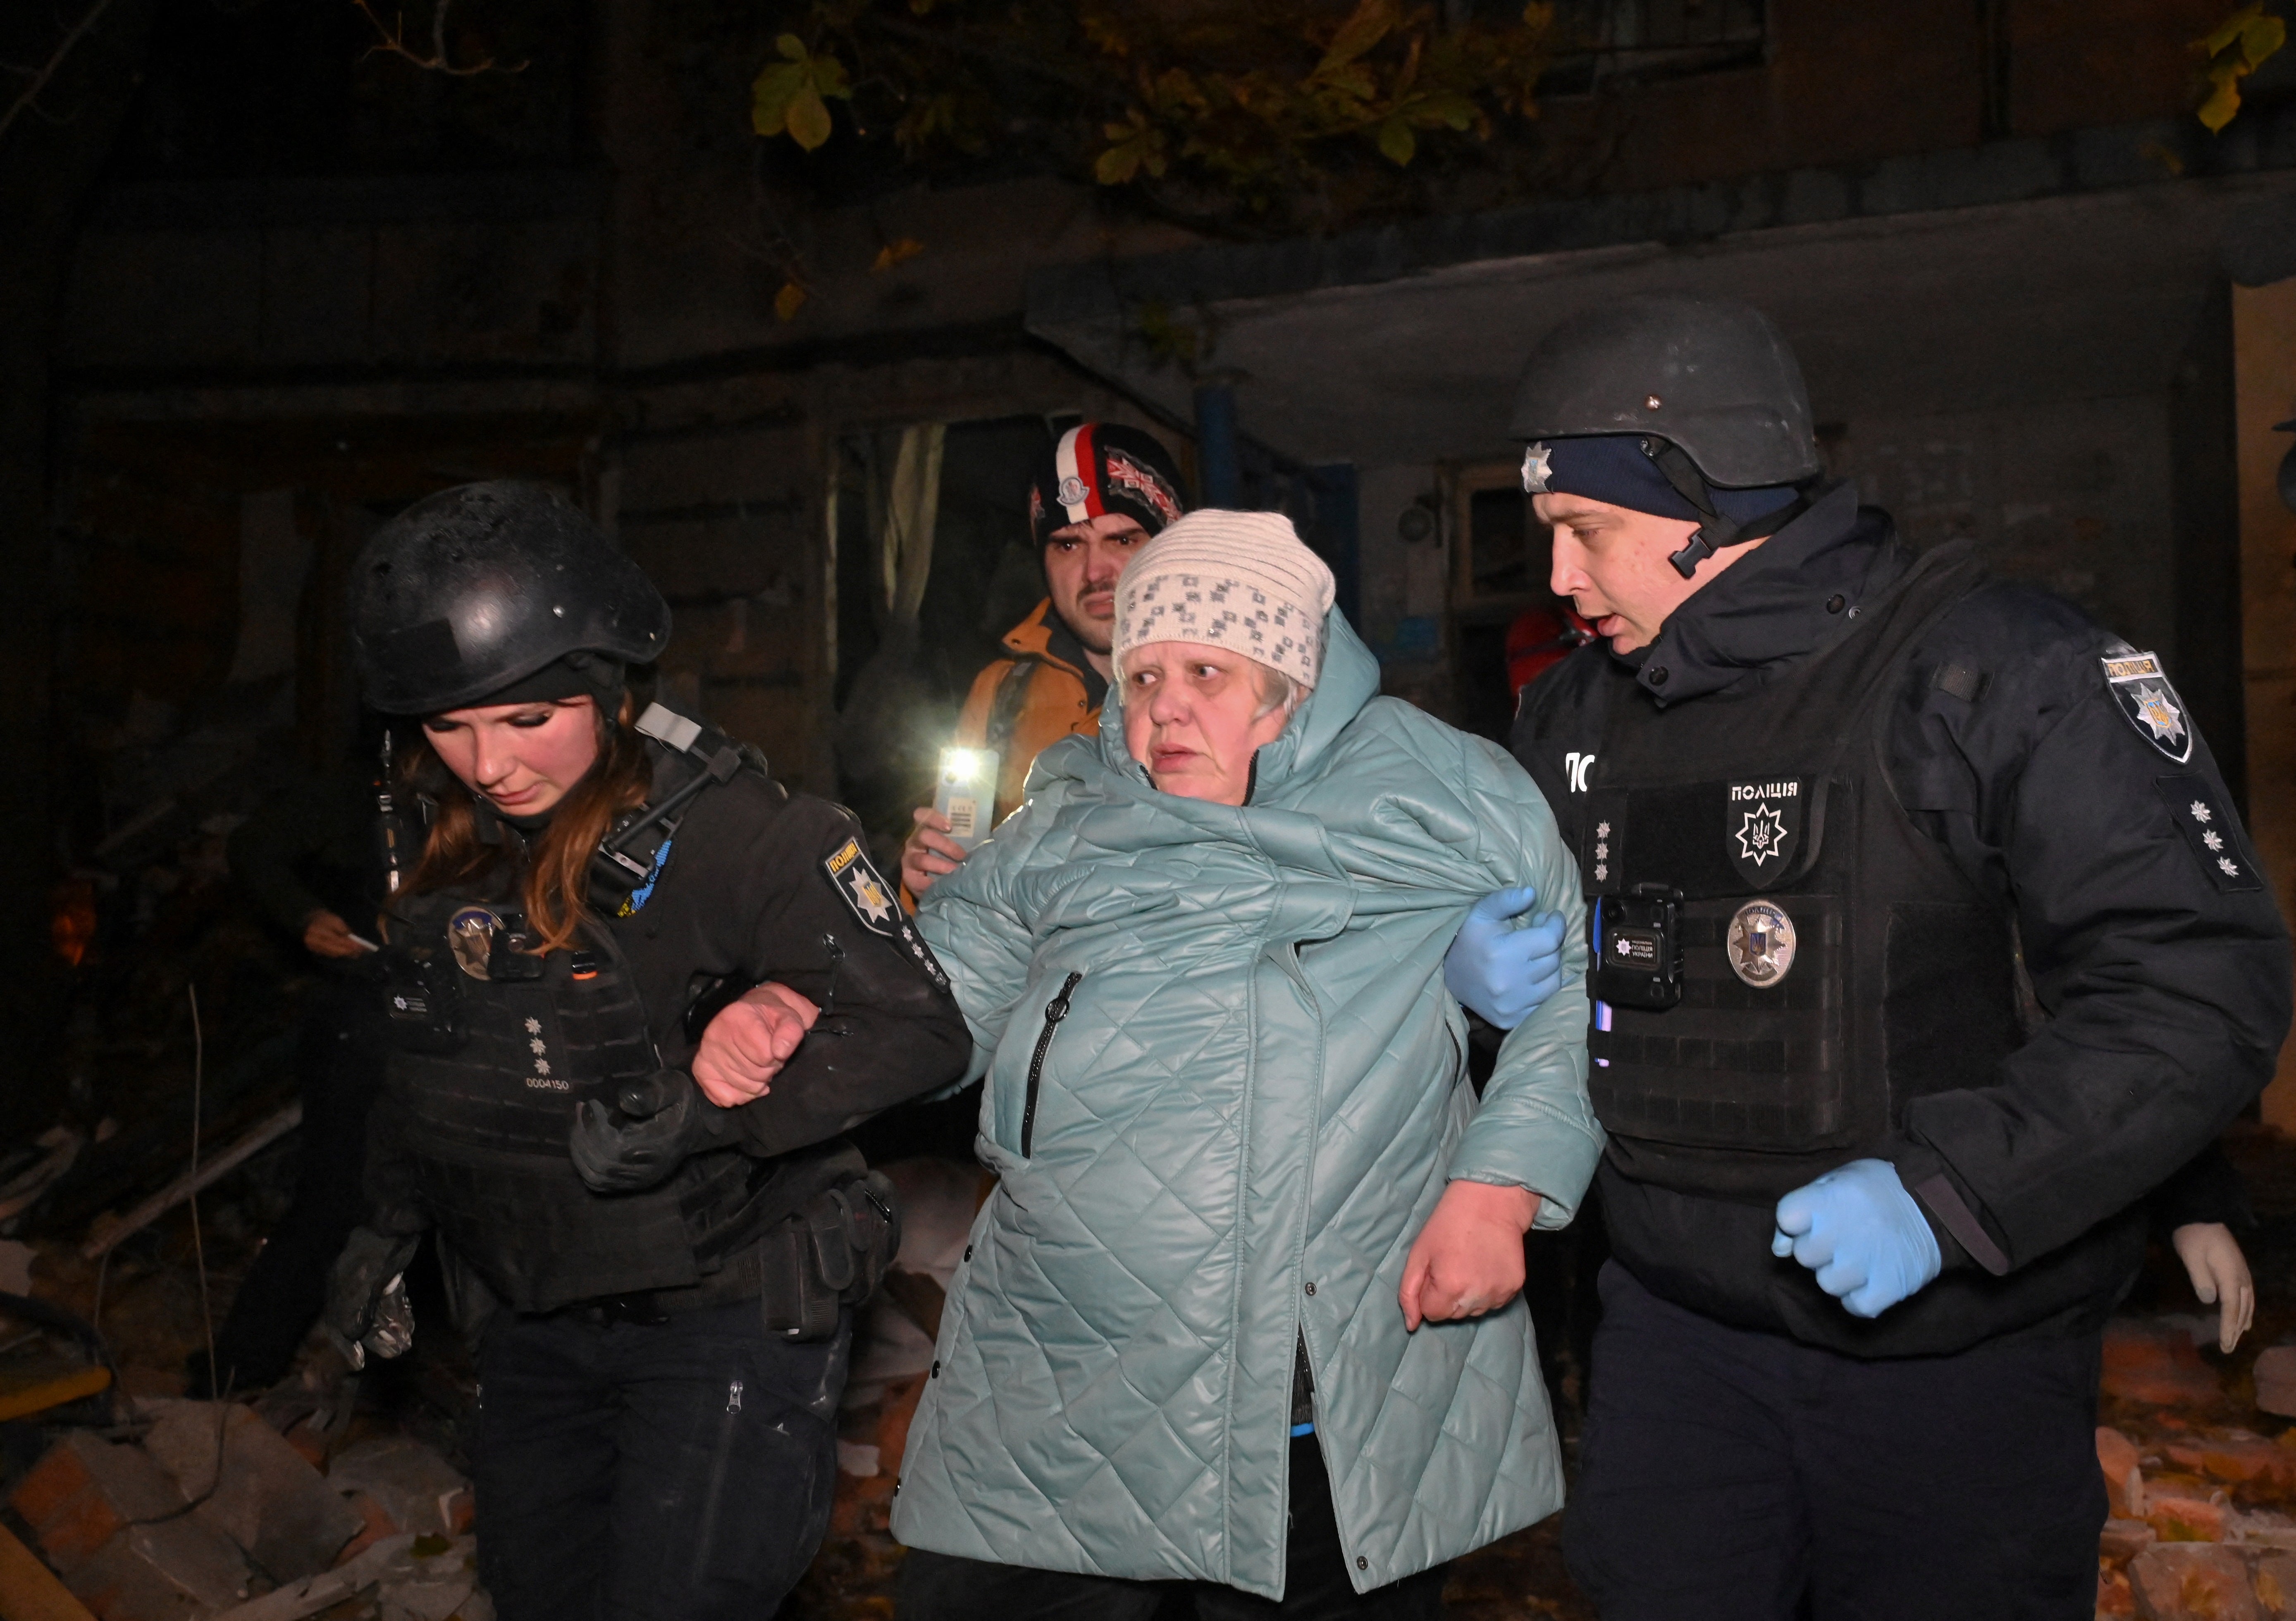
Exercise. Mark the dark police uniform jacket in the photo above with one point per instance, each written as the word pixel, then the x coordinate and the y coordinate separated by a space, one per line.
pixel 2036 971
pixel 758 884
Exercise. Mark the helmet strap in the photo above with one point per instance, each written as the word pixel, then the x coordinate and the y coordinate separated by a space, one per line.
pixel 1715 531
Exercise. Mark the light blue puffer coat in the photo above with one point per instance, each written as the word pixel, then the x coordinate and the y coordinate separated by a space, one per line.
pixel 1254 1099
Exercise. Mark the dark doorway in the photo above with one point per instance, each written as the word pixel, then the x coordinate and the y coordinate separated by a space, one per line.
pixel 898 690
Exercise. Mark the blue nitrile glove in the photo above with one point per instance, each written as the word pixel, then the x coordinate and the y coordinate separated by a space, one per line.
pixel 1499 968
pixel 1862 1233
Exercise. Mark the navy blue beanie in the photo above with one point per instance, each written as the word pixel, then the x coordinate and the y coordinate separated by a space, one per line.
pixel 1612 468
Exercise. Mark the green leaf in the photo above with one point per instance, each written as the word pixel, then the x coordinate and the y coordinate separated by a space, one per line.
pixel 770 96
pixel 1371 22
pixel 2224 100
pixel 1446 106
pixel 1396 144
pixel 2261 38
pixel 808 119
pixel 787 97
pixel 1134 146
pixel 2226 32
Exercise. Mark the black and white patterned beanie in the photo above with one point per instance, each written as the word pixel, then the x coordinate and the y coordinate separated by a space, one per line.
pixel 1238 580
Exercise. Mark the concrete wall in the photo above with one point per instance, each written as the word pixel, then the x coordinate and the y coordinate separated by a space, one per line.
pixel 1854 83
pixel 2073 495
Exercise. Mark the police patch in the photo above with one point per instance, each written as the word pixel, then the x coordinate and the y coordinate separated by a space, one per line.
pixel 871 900
pixel 470 937
pixel 1760 944
pixel 2149 703
pixel 2211 832
pixel 1762 828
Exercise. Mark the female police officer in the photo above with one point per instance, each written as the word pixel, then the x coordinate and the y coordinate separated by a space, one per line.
pixel 607 906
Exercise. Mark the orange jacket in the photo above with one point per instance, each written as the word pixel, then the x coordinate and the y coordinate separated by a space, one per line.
pixel 1022 705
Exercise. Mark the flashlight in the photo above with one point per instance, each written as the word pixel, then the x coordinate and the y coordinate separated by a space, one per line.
pixel 966 793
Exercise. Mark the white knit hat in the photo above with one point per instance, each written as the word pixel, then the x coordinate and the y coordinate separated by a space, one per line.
pixel 1238 580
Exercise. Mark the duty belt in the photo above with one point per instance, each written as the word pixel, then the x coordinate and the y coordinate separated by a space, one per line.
pixel 740 1278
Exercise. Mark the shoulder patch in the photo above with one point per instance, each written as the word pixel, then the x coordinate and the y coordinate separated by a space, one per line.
pixel 876 905
pixel 2210 829
pixel 2150 705
pixel 863 888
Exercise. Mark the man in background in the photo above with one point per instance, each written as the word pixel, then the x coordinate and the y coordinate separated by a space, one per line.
pixel 310 861
pixel 1101 494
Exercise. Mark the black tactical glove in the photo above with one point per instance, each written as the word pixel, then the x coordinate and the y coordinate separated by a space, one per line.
pixel 658 1121
pixel 367 1310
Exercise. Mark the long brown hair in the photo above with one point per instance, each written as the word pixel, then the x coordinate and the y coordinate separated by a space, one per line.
pixel 557 877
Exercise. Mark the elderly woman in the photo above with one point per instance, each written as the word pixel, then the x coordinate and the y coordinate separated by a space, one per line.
pixel 1256 1245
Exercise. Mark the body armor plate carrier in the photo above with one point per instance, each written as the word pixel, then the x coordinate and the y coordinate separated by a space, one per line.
pixel 1783 958
pixel 498 1046
pixel 487 1122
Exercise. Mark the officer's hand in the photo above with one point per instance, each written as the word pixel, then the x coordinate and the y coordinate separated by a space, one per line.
pixel 929 852
pixel 658 1120
pixel 2219 1273
pixel 1468 1258
pixel 748 1043
pixel 367 1311
pixel 1862 1233
pixel 325 934
pixel 1500 966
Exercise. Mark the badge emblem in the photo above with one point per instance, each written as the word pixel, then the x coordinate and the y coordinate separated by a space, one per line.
pixel 1071 491
pixel 868 896
pixel 1534 469
pixel 2150 704
pixel 1762 823
pixel 1760 944
pixel 470 937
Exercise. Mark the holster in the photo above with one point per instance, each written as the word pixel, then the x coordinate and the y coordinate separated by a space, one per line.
pixel 828 1256
pixel 469 1301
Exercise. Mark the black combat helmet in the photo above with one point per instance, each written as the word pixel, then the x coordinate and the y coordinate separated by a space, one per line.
pixel 478 587
pixel 1710 375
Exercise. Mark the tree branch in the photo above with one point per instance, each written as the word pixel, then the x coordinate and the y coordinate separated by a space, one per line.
pixel 40 79
pixel 392 42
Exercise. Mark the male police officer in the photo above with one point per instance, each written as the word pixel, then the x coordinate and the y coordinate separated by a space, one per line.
pixel 1099 494
pixel 1929 943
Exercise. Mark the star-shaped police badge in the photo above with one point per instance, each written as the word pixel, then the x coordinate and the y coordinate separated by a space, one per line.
pixel 2150 705
pixel 864 889
pixel 1762 823
pixel 1762 835
pixel 1536 468
pixel 869 898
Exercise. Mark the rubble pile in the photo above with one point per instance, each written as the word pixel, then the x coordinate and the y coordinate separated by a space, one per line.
pixel 2202 1502
pixel 204 1510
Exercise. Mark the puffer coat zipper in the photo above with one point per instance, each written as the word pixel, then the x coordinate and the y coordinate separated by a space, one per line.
pixel 1056 1010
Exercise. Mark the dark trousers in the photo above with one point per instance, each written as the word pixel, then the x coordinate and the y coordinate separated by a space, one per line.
pixel 1739 1476
pixel 339 1058
pixel 680 1470
pixel 942 1587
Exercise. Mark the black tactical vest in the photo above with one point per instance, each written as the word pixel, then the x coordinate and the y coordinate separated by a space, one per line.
pixel 500 1047
pixel 1784 958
